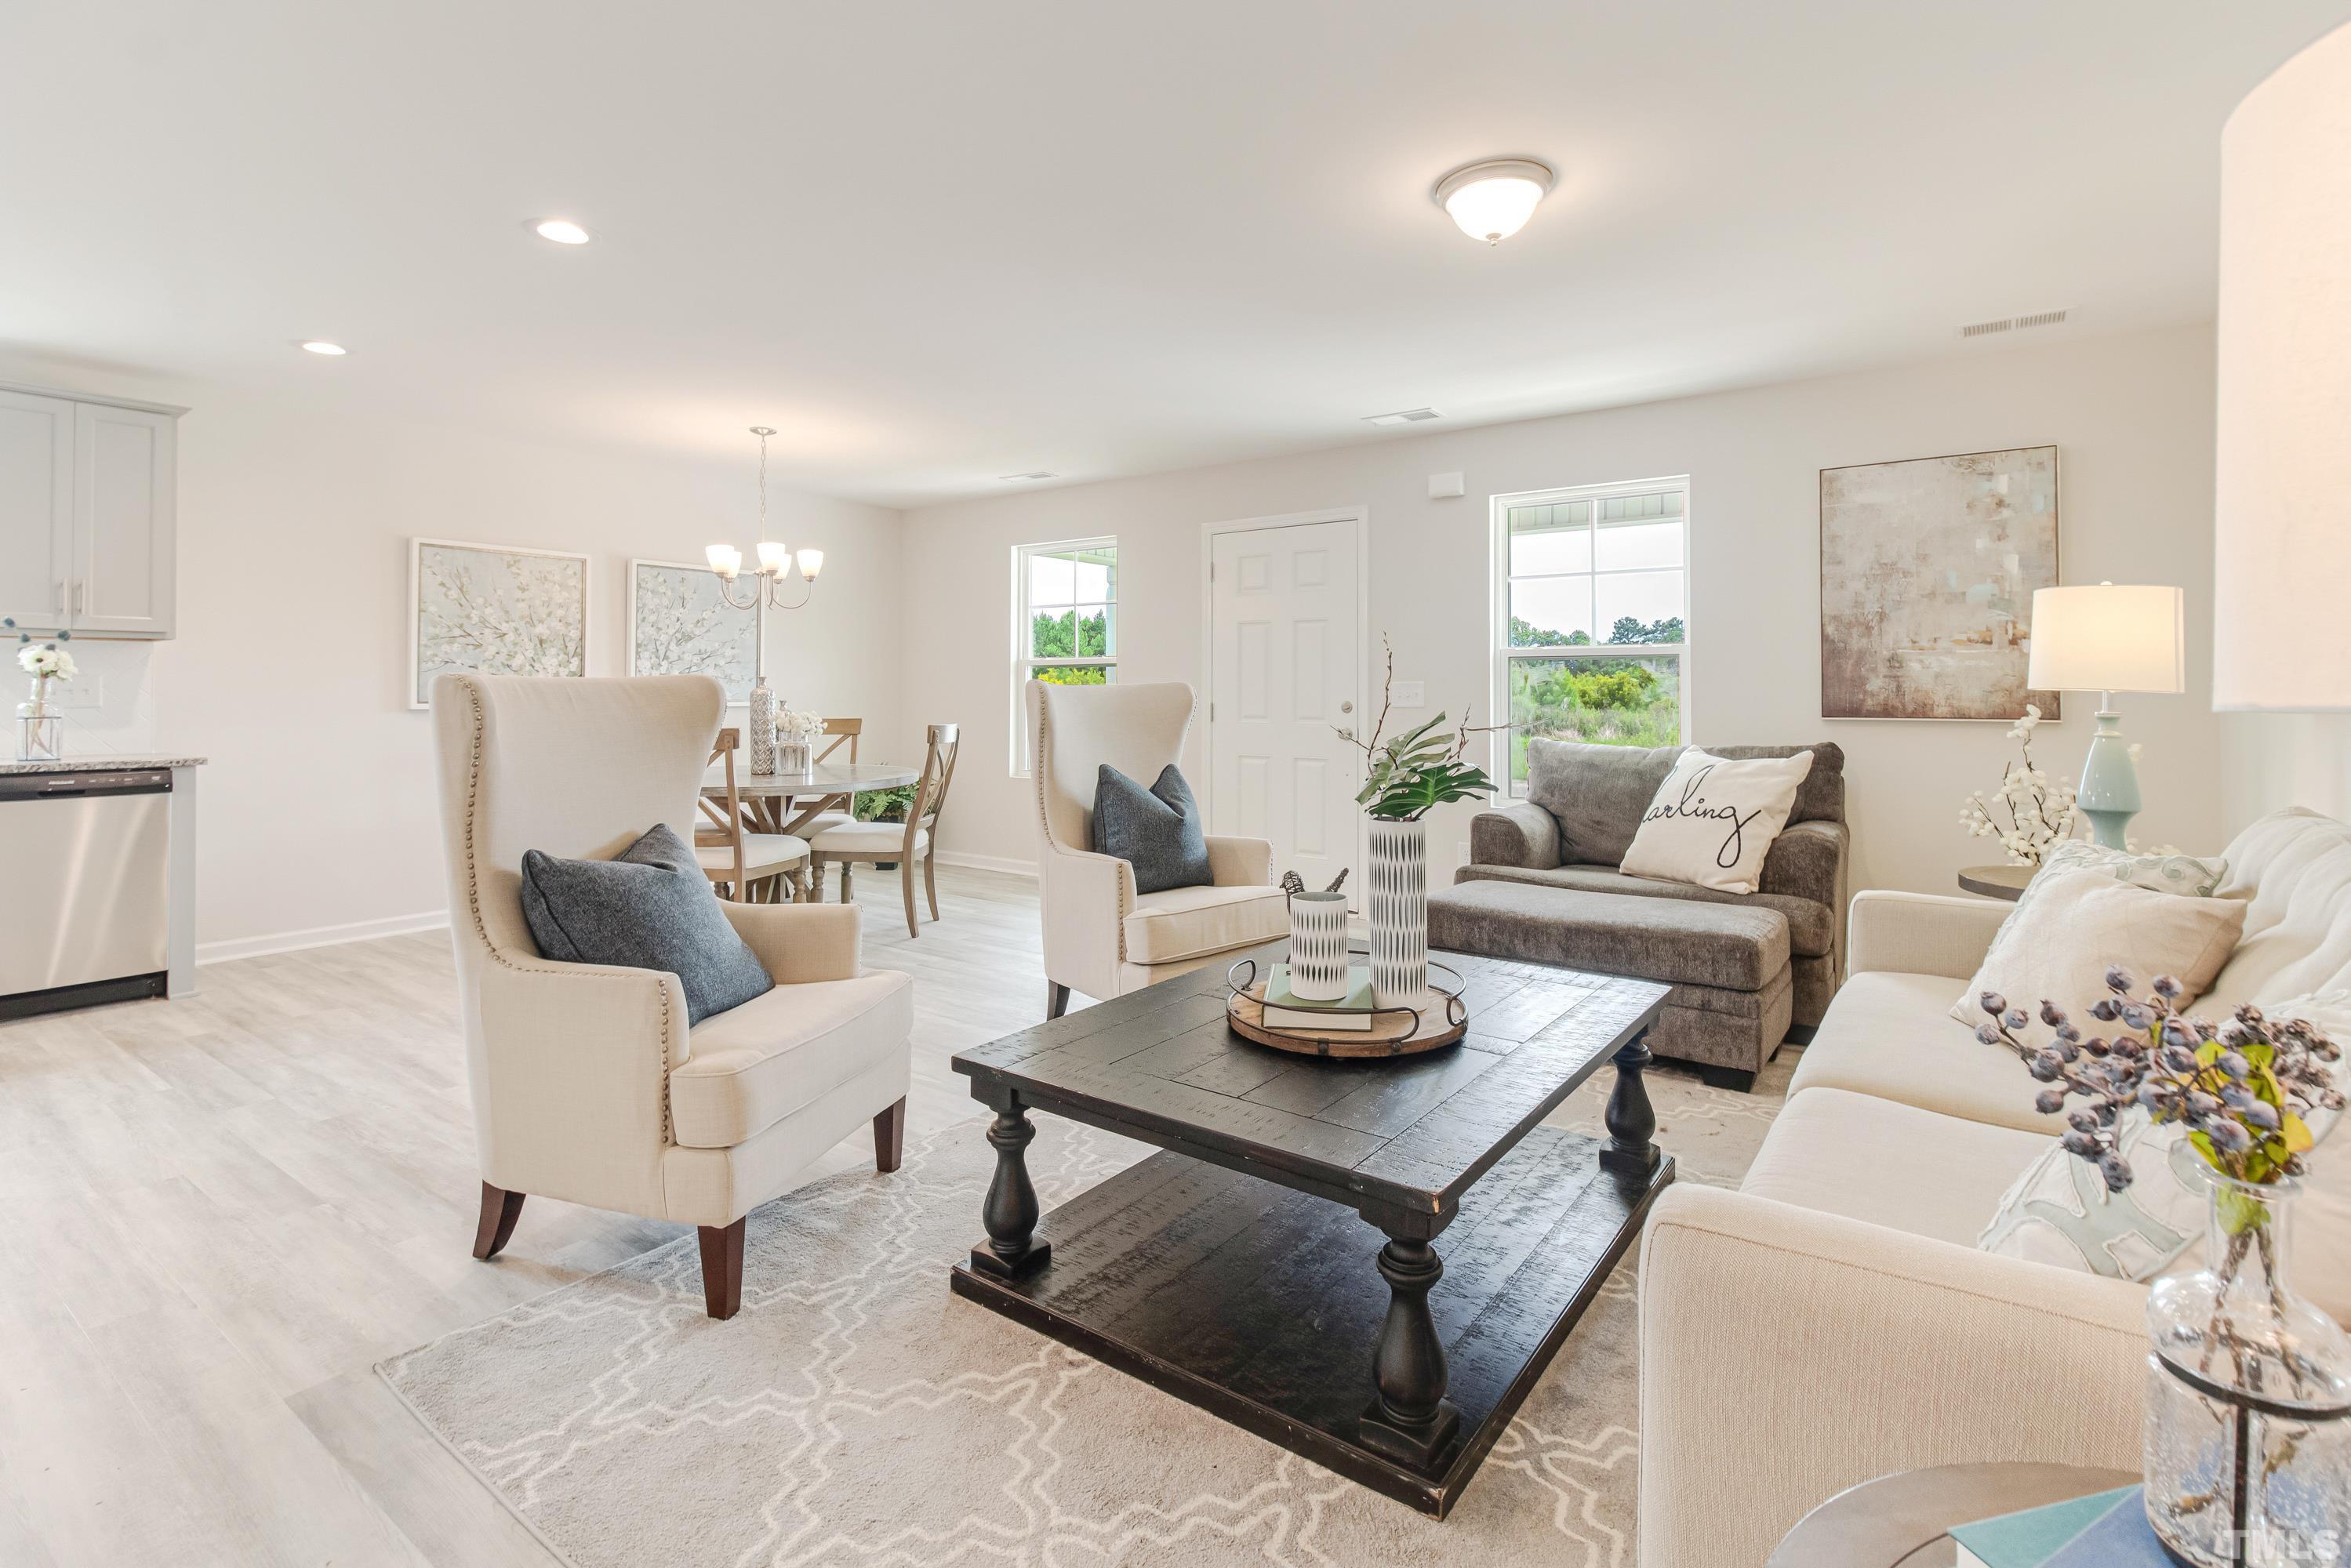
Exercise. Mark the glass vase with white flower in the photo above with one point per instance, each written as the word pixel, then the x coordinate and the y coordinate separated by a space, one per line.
pixel 2247 1433
pixel 797 733
pixel 2030 813
pixel 39 726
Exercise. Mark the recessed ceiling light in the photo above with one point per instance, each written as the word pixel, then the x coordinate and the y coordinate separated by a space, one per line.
pixel 320 346
pixel 562 231
pixel 1032 473
pixel 1402 416
pixel 1492 199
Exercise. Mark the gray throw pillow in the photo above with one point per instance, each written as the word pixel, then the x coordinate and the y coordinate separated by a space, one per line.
pixel 1155 831
pixel 651 908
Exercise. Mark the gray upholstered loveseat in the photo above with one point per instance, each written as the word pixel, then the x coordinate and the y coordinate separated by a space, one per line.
pixel 1746 968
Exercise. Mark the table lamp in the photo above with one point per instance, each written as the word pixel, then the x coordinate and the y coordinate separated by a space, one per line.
pixel 2107 639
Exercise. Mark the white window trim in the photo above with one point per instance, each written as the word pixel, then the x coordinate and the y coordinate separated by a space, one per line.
pixel 1021 657
pixel 1498 633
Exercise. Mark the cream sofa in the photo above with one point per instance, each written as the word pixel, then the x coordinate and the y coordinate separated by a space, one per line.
pixel 1832 1321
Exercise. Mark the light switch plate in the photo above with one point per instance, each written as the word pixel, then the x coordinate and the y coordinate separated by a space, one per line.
pixel 1461 853
pixel 85 691
pixel 1410 693
pixel 1445 487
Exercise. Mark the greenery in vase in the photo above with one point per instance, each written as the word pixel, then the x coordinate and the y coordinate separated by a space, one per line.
pixel 2242 1088
pixel 1404 776
pixel 882 805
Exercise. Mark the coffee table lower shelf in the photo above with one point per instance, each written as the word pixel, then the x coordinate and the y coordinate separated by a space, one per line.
pixel 1261 1305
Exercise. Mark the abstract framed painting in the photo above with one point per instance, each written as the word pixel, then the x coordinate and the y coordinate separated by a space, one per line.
pixel 1927 569
pixel 500 609
pixel 679 625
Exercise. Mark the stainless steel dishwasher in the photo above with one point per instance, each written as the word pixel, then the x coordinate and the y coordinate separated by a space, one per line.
pixel 84 877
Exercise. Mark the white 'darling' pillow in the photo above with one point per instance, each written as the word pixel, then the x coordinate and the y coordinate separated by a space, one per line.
pixel 2057 947
pixel 1713 819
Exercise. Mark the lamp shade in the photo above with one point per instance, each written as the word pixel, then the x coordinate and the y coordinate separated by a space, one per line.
pixel 2108 638
pixel 2282 513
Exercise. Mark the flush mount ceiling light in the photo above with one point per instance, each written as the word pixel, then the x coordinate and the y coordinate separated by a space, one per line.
pixel 1401 416
pixel 320 346
pixel 1492 199
pixel 562 231
pixel 1032 473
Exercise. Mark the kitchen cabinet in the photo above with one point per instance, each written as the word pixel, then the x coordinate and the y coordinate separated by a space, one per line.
pixel 88 514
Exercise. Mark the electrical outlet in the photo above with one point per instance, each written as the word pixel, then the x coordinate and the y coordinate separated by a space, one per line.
pixel 1411 693
pixel 1461 853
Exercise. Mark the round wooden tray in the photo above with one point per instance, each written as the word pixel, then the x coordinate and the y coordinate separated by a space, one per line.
pixel 1441 1021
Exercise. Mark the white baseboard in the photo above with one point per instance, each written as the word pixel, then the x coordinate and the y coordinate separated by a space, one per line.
pixel 320 936
pixel 988 863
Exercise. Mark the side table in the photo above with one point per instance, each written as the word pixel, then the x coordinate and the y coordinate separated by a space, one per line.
pixel 1901 1521
pixel 1997 880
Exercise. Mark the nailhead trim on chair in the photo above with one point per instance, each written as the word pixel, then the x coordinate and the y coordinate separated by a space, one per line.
pixel 474 896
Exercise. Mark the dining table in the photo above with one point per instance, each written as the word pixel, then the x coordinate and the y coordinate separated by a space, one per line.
pixel 787 802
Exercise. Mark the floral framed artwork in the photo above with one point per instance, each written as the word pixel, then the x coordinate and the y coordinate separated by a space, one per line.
pixel 501 610
pixel 1928 571
pixel 679 624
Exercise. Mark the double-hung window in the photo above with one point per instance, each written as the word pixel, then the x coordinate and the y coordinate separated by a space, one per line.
pixel 1064 621
pixel 1592 612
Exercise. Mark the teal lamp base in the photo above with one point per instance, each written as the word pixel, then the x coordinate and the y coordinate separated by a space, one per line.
pixel 2109 792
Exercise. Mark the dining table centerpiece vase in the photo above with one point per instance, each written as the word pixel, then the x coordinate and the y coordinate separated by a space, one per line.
pixel 2246 1441
pixel 1404 777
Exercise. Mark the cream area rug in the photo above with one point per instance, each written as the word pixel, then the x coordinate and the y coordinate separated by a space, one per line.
pixel 855 1413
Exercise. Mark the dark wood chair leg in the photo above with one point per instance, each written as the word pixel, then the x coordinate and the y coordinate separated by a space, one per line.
pixel 890 1137
pixel 722 1268
pixel 1057 1001
pixel 500 1209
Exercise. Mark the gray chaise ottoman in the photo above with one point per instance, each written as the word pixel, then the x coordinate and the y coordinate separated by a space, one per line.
pixel 1727 964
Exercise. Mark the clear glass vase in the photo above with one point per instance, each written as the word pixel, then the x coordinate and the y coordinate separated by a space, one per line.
pixel 2248 1433
pixel 40 728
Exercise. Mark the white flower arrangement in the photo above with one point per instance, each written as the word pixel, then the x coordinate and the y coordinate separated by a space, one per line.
pixel 46 662
pixel 794 727
pixel 2040 809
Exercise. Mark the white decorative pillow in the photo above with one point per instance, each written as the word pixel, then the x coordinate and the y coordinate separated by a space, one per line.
pixel 1713 820
pixel 2191 876
pixel 2057 947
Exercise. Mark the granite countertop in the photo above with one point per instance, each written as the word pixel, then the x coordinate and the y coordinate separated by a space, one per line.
pixel 101 763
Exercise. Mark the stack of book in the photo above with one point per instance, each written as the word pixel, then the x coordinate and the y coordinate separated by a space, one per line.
pixel 2105 1530
pixel 1285 1009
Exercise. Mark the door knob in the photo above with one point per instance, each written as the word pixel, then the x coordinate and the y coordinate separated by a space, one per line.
pixel 1346 708
pixel 1346 735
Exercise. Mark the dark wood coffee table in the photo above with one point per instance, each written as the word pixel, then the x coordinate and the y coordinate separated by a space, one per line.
pixel 1242 1270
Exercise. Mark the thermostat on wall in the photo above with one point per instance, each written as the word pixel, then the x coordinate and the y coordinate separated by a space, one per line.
pixel 1444 487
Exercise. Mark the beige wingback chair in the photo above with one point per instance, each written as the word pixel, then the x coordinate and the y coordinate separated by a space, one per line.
pixel 587 1084
pixel 1101 938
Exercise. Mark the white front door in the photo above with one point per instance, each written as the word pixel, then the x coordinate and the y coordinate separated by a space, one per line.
pixel 1285 668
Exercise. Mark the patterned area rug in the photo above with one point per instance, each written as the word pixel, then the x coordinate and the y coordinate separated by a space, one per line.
pixel 854 1413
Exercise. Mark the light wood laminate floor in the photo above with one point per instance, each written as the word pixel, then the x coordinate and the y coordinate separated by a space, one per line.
pixel 217 1214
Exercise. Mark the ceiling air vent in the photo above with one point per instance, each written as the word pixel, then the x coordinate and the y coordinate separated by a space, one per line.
pixel 2016 323
pixel 1402 416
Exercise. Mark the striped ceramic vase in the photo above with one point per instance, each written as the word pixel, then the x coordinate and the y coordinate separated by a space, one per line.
pixel 1396 903
pixel 1318 946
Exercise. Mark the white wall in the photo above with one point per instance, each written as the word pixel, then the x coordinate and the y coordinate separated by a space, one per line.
pixel 2132 416
pixel 318 809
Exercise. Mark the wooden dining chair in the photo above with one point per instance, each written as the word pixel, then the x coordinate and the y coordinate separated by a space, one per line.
pixel 843 732
pixel 753 868
pixel 867 843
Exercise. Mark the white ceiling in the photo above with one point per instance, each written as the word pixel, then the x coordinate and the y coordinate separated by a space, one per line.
pixel 937 243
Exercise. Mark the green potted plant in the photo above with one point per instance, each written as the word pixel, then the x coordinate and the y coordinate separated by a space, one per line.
pixel 1404 776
